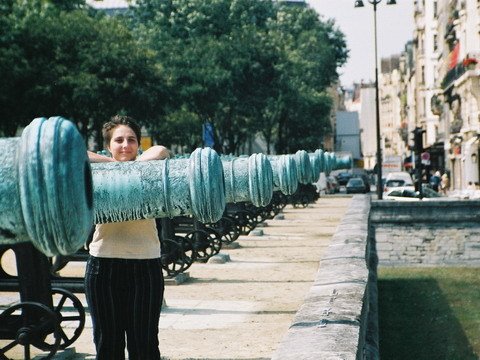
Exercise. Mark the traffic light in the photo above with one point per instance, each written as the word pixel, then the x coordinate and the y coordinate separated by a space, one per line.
pixel 418 139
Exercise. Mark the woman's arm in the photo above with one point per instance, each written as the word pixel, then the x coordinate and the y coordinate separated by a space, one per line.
pixel 95 158
pixel 157 152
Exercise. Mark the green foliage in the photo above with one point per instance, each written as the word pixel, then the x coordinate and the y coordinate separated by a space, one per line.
pixel 74 64
pixel 247 66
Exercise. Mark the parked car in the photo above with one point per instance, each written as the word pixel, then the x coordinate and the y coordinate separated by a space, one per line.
pixel 396 179
pixel 366 179
pixel 356 186
pixel 395 183
pixel 408 193
pixel 343 178
pixel 332 185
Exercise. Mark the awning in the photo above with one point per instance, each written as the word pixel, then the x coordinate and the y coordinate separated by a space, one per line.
pixel 408 162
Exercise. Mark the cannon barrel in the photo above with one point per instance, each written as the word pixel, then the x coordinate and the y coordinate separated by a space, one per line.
pixel 248 179
pixel 46 188
pixel 304 168
pixel 327 168
pixel 284 170
pixel 316 165
pixel 343 162
pixel 160 188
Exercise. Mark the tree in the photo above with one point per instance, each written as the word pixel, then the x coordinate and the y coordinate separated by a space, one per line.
pixel 310 51
pixel 77 64
pixel 212 54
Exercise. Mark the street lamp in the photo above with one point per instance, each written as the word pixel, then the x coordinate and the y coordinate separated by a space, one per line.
pixel 359 3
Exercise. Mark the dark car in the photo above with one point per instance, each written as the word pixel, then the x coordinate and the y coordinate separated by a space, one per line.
pixel 356 186
pixel 343 177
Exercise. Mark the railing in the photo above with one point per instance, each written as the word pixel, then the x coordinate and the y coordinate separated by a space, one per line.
pixel 452 75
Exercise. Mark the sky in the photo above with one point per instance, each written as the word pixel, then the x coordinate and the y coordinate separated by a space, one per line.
pixel 394 29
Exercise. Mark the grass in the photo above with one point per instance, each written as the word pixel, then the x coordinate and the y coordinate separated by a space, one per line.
pixel 429 313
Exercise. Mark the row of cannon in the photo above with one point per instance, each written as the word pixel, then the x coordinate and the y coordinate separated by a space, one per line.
pixel 50 196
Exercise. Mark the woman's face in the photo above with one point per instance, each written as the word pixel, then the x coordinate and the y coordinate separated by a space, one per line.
pixel 124 144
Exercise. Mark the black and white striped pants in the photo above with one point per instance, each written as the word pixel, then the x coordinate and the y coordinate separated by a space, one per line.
pixel 125 297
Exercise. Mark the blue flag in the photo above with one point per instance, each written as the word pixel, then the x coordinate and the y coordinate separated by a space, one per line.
pixel 208 139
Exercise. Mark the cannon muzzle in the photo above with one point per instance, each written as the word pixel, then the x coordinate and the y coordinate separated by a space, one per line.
pixel 46 192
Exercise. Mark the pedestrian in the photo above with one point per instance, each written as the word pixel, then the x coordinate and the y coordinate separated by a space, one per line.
pixel 445 183
pixel 124 282
pixel 435 181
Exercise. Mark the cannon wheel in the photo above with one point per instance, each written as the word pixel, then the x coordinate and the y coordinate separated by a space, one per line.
pixel 206 243
pixel 281 200
pixel 32 332
pixel 271 211
pixel 245 220
pixel 227 228
pixel 63 299
pixel 177 255
pixel 301 201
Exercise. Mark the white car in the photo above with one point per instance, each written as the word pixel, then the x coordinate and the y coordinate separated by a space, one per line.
pixel 396 179
pixel 408 193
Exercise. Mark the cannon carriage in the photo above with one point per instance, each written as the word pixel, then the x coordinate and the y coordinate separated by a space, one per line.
pixel 47 317
pixel 45 209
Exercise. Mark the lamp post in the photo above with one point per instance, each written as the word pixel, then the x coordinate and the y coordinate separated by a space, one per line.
pixel 359 3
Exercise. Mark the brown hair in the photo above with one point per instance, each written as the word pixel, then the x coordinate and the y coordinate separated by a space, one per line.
pixel 115 121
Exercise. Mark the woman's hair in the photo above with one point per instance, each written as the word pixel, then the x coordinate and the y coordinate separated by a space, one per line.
pixel 115 121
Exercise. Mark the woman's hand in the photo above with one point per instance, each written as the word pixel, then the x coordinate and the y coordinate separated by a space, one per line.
pixel 156 152
pixel 96 158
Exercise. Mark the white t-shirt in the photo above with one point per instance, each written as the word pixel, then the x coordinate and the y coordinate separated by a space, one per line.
pixel 137 239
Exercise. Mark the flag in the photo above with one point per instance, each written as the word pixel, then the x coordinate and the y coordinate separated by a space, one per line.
pixel 208 137
pixel 453 57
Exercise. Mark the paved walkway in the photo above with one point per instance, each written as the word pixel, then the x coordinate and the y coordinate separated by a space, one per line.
pixel 240 309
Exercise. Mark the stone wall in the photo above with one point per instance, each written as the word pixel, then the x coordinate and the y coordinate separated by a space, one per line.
pixel 429 233
pixel 338 319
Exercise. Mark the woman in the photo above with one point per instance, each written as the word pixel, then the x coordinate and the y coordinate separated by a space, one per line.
pixel 124 281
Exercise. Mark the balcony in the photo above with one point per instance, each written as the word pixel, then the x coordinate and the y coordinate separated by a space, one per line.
pixel 456 126
pixel 452 75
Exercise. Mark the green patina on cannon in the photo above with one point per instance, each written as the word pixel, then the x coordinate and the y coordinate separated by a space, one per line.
pixel 316 162
pixel 285 178
pixel 304 167
pixel 160 188
pixel 50 195
pixel 248 179
pixel 46 187
pixel 328 162
pixel 343 162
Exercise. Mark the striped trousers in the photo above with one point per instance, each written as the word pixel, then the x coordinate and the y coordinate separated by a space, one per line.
pixel 125 297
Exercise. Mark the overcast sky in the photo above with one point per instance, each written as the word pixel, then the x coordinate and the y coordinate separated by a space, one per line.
pixel 394 29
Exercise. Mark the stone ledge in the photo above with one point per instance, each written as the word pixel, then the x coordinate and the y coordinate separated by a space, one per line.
pixel 430 212
pixel 335 322
pixel 332 341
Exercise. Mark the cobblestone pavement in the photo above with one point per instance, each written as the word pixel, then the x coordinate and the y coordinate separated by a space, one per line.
pixel 240 309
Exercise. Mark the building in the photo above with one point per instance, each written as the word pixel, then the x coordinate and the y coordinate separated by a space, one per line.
pixel 348 134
